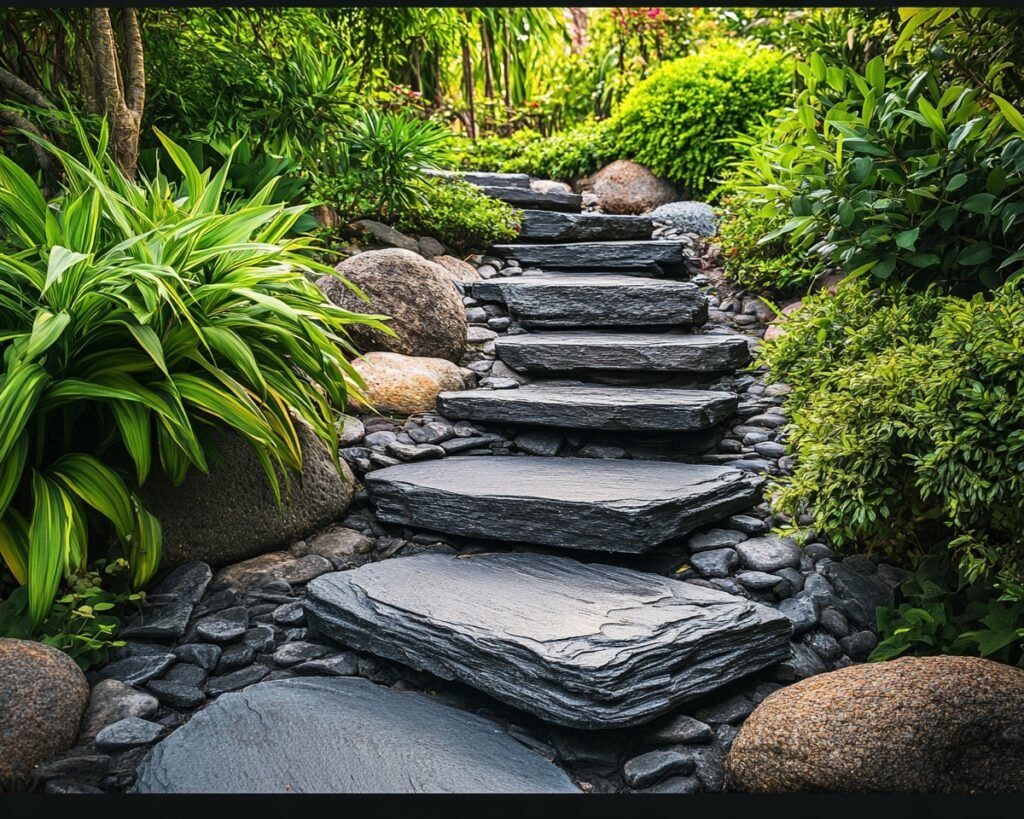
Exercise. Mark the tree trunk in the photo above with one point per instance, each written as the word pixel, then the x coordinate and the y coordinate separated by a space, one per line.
pixel 467 79
pixel 505 72
pixel 121 94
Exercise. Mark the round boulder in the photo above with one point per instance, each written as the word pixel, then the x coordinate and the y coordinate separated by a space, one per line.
pixel 404 385
pixel 42 697
pixel 915 724
pixel 426 311
pixel 231 514
pixel 458 270
pixel 627 187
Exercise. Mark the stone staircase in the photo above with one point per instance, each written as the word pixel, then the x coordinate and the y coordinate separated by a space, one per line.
pixel 540 622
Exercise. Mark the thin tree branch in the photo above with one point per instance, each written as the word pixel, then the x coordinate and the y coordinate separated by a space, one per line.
pixel 21 89
pixel 47 161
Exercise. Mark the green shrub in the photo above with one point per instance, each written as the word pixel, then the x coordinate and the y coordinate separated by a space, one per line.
pixel 907 423
pixel 678 122
pixel 137 321
pixel 461 216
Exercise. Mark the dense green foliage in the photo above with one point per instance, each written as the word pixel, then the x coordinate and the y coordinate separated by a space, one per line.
pixel 137 319
pixel 678 121
pixel 460 216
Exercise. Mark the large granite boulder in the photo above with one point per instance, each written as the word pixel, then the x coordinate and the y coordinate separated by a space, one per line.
pixel 42 699
pixel 426 312
pixel 583 645
pixel 405 385
pixel 231 514
pixel 342 735
pixel 915 724
pixel 627 187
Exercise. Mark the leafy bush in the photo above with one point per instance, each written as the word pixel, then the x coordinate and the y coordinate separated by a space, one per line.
pixel 461 216
pixel 137 320
pixel 678 121
pixel 907 423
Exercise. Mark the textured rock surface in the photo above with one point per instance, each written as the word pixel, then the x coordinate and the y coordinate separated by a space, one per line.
pixel 231 513
pixel 458 270
pixel 528 198
pixel 425 309
pixel 649 256
pixel 918 724
pixel 628 187
pixel 589 646
pixel 592 406
pixel 111 701
pixel 42 698
pixel 549 226
pixel 573 351
pixel 603 300
pixel 575 503
pixel 404 384
pixel 506 180
pixel 340 735
pixel 690 217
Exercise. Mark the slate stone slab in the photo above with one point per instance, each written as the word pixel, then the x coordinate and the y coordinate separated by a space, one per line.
pixel 593 406
pixel 574 503
pixel 637 254
pixel 596 300
pixel 581 645
pixel 527 198
pixel 550 226
pixel 506 180
pixel 581 351
pixel 341 735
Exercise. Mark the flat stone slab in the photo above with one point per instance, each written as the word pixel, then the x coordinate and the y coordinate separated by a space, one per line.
pixel 557 300
pixel 527 198
pixel 341 735
pixel 592 406
pixel 638 255
pixel 573 351
pixel 550 226
pixel 574 503
pixel 505 180
pixel 583 645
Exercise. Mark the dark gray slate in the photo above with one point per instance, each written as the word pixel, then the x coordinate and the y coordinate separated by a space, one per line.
pixel 767 554
pixel 549 226
pixel 660 352
pixel 575 503
pixel 650 255
pixel 127 733
pixel 508 180
pixel 527 198
pixel 592 406
pixel 582 645
pixel 168 621
pixel 342 735
pixel 595 300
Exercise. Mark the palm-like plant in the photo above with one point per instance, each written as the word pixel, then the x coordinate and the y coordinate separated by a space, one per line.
pixel 135 320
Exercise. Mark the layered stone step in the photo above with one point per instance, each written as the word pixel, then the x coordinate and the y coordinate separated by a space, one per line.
pixel 583 645
pixel 341 735
pixel 482 178
pixel 650 256
pixel 579 351
pixel 529 198
pixel 628 506
pixel 607 300
pixel 550 226
pixel 593 406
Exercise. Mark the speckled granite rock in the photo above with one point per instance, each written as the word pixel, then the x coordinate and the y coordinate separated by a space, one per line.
pixel 404 384
pixel 915 724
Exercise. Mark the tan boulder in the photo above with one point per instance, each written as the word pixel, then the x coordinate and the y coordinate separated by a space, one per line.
pixel 915 724
pixel 427 314
pixel 628 187
pixel 257 572
pixel 43 694
pixel 404 385
pixel 457 269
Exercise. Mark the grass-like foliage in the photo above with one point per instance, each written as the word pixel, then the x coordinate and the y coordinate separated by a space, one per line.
pixel 135 320
pixel 461 215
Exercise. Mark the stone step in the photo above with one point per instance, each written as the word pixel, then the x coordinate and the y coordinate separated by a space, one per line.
pixel 481 178
pixel 572 503
pixel 342 735
pixel 550 226
pixel 582 645
pixel 595 300
pixel 577 351
pixel 593 406
pixel 528 198
pixel 648 256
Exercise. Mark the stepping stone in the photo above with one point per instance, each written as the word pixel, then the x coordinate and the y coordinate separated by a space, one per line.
pixel 649 256
pixel 581 645
pixel 341 735
pixel 573 503
pixel 574 351
pixel 592 406
pixel 551 226
pixel 527 198
pixel 595 300
pixel 505 180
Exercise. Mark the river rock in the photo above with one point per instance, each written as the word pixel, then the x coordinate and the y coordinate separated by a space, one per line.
pixel 405 385
pixel 628 187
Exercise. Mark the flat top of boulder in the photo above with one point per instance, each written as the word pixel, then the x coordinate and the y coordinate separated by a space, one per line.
pixel 342 735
